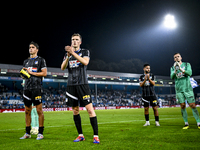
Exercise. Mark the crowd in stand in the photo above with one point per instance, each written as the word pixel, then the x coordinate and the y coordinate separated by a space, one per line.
pixel 53 98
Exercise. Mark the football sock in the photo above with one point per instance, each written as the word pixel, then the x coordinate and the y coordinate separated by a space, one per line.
pixel 93 121
pixel 28 129
pixel 147 117
pixel 77 121
pixel 184 115
pixel 156 118
pixel 186 123
pixel 196 114
pixel 41 129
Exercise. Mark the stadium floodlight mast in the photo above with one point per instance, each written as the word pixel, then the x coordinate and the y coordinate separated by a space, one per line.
pixel 169 22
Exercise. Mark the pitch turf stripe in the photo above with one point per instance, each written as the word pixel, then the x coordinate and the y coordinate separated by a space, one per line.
pixel 98 123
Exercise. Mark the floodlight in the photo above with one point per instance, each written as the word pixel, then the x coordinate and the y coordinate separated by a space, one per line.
pixel 169 22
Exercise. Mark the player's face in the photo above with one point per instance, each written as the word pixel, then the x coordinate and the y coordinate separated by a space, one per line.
pixel 76 41
pixel 177 57
pixel 32 49
pixel 147 69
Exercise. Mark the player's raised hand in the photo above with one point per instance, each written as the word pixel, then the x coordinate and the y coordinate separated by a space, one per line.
pixel 176 66
pixel 68 49
pixel 148 76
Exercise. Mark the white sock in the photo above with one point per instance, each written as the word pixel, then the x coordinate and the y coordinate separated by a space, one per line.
pixel 96 136
pixel 157 121
pixel 80 135
pixel 147 122
pixel 198 123
pixel 186 123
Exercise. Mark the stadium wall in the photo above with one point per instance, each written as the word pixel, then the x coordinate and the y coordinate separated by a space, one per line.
pixel 82 108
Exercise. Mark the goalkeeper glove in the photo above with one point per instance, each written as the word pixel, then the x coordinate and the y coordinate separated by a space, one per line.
pixel 176 67
pixel 182 70
pixel 24 74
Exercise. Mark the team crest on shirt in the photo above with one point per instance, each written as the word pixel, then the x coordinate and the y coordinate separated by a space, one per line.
pixel 36 62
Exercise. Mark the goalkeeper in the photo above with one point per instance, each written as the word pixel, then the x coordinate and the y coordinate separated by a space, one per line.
pixel 34 120
pixel 181 72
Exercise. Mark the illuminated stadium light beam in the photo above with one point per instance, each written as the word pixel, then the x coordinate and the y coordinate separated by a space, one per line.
pixel 169 22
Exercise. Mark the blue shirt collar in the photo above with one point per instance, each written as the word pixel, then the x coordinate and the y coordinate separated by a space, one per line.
pixel 34 58
pixel 77 50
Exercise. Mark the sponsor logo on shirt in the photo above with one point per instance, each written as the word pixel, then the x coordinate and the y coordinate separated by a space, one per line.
pixel 180 75
pixel 32 69
pixel 74 63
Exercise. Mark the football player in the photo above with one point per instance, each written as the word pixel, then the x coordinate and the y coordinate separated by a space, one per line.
pixel 36 68
pixel 148 94
pixel 181 72
pixel 76 60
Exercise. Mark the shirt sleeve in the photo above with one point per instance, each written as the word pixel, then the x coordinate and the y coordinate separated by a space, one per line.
pixel 86 53
pixel 43 64
pixel 24 63
pixel 65 56
pixel 188 70
pixel 172 74
pixel 141 79
pixel 152 77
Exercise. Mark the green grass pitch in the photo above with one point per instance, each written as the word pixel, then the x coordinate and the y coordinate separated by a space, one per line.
pixel 118 129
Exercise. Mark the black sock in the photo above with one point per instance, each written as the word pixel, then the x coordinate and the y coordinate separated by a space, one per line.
pixel 93 121
pixel 41 129
pixel 156 118
pixel 28 129
pixel 147 117
pixel 77 121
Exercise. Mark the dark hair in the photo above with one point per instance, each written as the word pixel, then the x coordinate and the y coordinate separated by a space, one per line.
pixel 177 53
pixel 35 44
pixel 146 65
pixel 77 34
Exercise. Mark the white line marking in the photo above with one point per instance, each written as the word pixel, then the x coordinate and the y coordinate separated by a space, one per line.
pixel 98 123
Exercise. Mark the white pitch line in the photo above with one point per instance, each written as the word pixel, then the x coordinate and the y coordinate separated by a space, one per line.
pixel 90 124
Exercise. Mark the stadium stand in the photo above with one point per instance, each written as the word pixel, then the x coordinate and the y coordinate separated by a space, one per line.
pixel 107 88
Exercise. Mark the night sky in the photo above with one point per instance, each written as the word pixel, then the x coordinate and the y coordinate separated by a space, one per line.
pixel 121 35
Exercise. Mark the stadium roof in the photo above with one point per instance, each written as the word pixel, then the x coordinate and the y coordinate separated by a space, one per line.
pixel 93 76
pixel 57 71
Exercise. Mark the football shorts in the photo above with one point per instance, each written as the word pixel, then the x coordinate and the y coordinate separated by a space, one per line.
pixel 152 100
pixel 32 97
pixel 78 95
pixel 189 96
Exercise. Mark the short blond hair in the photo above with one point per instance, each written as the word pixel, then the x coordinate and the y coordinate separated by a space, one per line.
pixel 77 34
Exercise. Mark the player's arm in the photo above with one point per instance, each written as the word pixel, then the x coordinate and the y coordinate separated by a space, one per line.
pixel 151 80
pixel 143 82
pixel 83 60
pixel 65 63
pixel 43 72
pixel 172 74
pixel 188 70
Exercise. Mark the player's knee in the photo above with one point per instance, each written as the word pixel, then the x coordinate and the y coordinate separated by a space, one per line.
pixel 146 108
pixel 75 110
pixel 90 112
pixel 40 112
pixel 155 108
pixel 28 112
pixel 193 105
pixel 183 106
